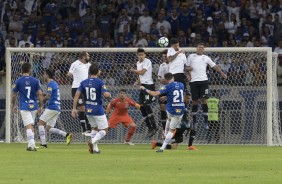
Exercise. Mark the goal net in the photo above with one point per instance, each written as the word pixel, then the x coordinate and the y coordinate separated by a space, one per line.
pixel 248 108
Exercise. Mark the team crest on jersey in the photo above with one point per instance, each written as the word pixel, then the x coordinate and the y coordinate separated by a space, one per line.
pixel 31 106
pixel 126 105
pixel 89 110
pixel 49 89
pixel 163 88
pixel 104 87
pixel 177 110
pixel 80 101
pixel 27 83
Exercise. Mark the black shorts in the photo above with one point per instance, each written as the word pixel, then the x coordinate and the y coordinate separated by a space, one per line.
pixel 199 89
pixel 180 77
pixel 145 98
pixel 81 101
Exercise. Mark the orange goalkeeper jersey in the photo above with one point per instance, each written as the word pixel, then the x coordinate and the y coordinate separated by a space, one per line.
pixel 121 106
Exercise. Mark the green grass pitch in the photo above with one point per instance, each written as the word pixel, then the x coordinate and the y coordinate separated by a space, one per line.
pixel 123 164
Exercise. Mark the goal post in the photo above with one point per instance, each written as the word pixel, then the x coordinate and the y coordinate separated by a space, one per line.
pixel 249 111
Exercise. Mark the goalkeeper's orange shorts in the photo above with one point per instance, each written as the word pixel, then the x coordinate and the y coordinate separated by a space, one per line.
pixel 115 120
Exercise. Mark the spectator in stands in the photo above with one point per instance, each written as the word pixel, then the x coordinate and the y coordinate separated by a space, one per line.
pixel 16 25
pixel 123 19
pixel 174 22
pixel 278 32
pixel 140 41
pixel 24 40
pixel 163 23
pixel 144 22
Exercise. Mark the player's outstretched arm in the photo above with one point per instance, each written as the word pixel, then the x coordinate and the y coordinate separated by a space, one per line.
pixel 152 93
pixel 137 106
pixel 218 69
pixel 139 72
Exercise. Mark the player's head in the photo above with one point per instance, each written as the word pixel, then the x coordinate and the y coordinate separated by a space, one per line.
pixel 84 56
pixel 122 94
pixel 94 69
pixel 164 56
pixel 174 44
pixel 26 68
pixel 169 77
pixel 141 54
pixel 49 74
pixel 200 48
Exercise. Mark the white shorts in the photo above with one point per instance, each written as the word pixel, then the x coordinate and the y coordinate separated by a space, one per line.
pixel 174 120
pixel 98 121
pixel 50 117
pixel 28 117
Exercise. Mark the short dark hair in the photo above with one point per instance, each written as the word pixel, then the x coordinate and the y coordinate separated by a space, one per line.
pixel 50 73
pixel 122 90
pixel 201 43
pixel 174 41
pixel 94 69
pixel 164 51
pixel 82 54
pixel 26 67
pixel 168 76
pixel 140 50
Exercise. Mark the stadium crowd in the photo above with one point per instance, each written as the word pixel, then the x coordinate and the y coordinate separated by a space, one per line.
pixel 139 23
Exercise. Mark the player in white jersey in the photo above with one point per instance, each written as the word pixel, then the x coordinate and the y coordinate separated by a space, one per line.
pixel 29 90
pixel 197 65
pixel 79 72
pixel 163 69
pixel 144 71
pixel 177 60
pixel 52 111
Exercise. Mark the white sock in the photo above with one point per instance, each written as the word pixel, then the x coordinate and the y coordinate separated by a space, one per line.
pixel 167 139
pixel 30 138
pixel 95 145
pixel 58 132
pixel 98 136
pixel 42 134
pixel 167 126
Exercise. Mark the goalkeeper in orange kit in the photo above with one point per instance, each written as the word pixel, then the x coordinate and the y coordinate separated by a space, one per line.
pixel 120 114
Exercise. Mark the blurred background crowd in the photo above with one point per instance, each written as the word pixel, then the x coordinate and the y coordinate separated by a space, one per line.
pixel 139 23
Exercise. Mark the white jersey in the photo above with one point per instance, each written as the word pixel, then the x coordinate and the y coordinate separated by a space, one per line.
pixel 146 78
pixel 79 71
pixel 199 64
pixel 177 65
pixel 163 69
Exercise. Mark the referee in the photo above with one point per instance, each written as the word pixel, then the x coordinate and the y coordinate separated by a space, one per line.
pixel 79 72
pixel 197 65
pixel 177 60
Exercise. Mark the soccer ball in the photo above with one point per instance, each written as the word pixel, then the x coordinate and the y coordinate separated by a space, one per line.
pixel 163 42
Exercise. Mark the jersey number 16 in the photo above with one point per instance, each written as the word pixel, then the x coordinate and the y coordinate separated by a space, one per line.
pixel 90 93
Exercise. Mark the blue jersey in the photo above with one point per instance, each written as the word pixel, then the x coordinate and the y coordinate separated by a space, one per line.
pixel 93 89
pixel 54 100
pixel 175 97
pixel 27 87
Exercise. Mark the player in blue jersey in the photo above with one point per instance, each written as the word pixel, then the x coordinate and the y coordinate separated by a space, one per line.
pixel 93 90
pixel 30 90
pixel 175 106
pixel 52 111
